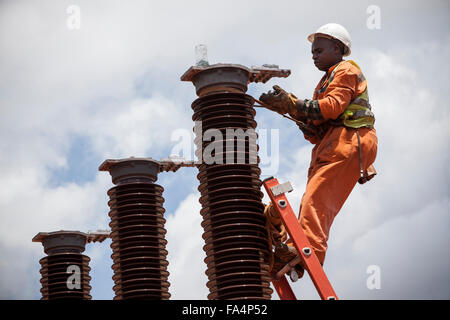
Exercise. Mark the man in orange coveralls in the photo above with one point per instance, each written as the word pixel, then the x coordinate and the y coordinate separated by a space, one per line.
pixel 339 122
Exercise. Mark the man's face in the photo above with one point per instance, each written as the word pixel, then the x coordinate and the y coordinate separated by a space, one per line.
pixel 325 53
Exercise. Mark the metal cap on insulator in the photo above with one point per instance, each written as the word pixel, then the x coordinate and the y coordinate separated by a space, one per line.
pixel 68 241
pixel 131 169
pixel 62 241
pixel 229 77
pixel 218 77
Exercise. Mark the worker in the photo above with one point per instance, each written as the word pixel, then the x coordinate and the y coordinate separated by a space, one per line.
pixel 339 122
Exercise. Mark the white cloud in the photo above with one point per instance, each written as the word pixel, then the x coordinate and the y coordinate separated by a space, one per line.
pixel 411 251
pixel 138 127
pixel 186 255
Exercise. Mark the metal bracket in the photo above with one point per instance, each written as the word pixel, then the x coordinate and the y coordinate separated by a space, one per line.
pixel 254 74
pixel 173 163
pixel 97 236
pixel 281 188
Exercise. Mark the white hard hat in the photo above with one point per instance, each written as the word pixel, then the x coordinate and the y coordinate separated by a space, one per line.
pixel 336 31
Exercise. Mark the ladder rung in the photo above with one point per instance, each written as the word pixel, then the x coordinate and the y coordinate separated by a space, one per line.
pixel 288 267
pixel 281 188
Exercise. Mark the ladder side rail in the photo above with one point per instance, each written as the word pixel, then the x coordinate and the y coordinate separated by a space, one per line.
pixel 301 243
pixel 283 289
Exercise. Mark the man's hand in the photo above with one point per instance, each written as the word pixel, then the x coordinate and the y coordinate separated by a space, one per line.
pixel 280 101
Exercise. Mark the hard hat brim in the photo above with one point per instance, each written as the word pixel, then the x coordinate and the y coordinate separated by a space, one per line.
pixel 312 37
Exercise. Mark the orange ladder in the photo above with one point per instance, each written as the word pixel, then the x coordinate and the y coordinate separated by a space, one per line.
pixel 323 286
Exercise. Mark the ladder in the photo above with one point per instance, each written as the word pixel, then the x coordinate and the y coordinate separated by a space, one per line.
pixel 276 192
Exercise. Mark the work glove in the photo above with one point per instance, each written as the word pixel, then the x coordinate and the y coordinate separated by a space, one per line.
pixel 310 130
pixel 280 101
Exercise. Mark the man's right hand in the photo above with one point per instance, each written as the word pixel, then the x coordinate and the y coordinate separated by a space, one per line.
pixel 279 100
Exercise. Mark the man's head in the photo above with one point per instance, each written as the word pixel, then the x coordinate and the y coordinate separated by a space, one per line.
pixel 330 43
pixel 326 52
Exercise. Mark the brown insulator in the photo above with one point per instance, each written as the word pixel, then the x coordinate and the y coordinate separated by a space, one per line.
pixel 137 230
pixel 236 241
pixel 64 271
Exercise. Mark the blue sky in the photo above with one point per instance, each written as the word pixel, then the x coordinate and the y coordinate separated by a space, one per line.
pixel 69 99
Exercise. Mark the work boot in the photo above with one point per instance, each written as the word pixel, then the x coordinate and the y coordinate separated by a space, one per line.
pixel 278 264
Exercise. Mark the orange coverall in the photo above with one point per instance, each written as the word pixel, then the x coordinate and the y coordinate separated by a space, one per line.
pixel 335 166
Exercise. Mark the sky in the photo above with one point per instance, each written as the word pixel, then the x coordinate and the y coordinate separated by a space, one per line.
pixel 85 81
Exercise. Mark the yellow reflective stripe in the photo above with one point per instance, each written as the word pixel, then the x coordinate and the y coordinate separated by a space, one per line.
pixel 352 108
pixel 360 122
pixel 331 77
pixel 364 95
pixel 365 121
pixel 355 64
